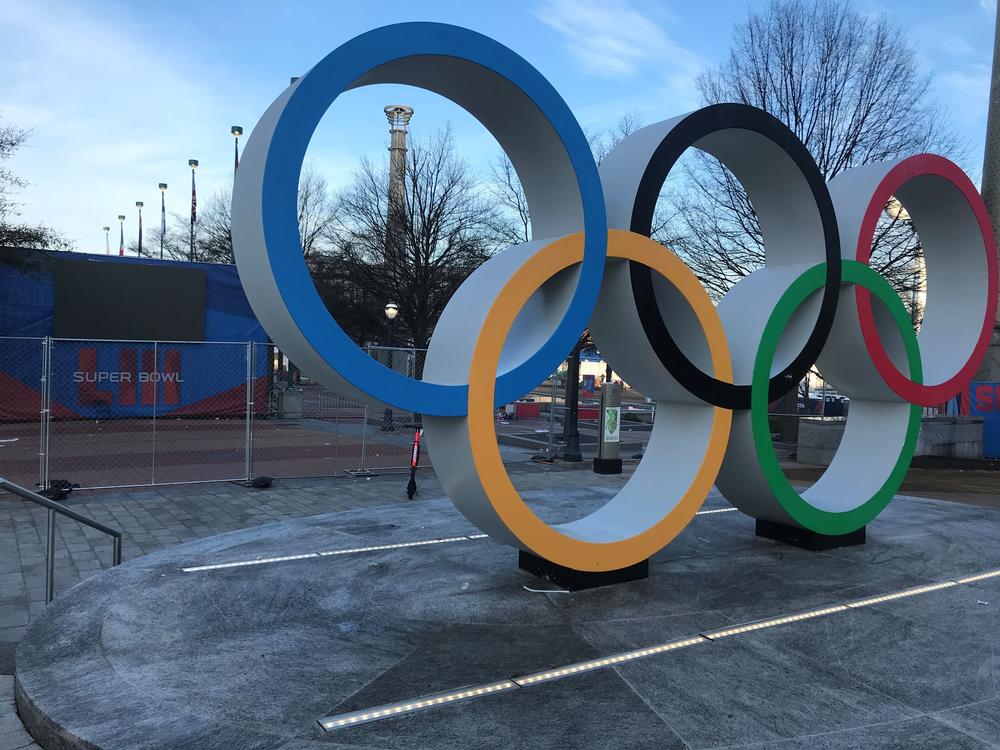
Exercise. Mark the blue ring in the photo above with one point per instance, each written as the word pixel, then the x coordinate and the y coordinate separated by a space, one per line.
pixel 313 95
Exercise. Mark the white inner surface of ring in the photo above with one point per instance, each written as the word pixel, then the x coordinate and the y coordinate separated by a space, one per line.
pixel 956 274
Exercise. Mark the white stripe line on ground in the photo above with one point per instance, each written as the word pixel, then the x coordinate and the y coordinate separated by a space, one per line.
pixel 371 548
pixel 375 713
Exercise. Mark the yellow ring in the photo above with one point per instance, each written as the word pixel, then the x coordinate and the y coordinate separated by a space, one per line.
pixel 534 534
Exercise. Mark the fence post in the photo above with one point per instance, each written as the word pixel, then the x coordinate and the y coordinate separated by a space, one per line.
pixel 46 427
pixel 43 384
pixel 249 418
pixel 336 431
pixel 156 397
pixel 364 437
pixel 550 450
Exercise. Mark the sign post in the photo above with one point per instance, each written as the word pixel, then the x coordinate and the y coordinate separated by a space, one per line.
pixel 608 459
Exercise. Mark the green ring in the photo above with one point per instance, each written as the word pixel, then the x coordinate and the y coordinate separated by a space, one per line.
pixel 809 516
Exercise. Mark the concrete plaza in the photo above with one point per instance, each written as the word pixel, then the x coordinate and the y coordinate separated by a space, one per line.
pixel 256 656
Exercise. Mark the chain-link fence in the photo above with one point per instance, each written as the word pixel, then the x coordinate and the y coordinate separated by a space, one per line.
pixel 537 421
pixel 129 413
pixel 23 384
pixel 304 429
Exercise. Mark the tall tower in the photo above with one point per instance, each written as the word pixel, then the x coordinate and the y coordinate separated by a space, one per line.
pixel 990 369
pixel 399 118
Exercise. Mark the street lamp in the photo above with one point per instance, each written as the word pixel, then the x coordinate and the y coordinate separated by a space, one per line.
pixel 236 131
pixel 391 311
pixel 121 236
pixel 163 215
pixel 138 204
pixel 193 163
pixel 107 242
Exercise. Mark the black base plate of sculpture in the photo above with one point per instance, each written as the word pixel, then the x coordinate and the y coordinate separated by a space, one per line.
pixel 579 580
pixel 607 466
pixel 806 539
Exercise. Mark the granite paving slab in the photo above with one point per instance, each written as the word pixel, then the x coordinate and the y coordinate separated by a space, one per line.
pixel 149 656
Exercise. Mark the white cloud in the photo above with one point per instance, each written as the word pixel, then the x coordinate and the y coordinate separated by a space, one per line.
pixel 613 38
pixel 990 6
pixel 106 104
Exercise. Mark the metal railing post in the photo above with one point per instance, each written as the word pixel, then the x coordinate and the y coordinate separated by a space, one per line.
pixel 50 559
pixel 249 413
pixel 53 508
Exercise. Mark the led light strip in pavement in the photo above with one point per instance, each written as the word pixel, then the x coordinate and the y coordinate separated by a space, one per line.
pixel 353 550
pixel 372 548
pixel 353 718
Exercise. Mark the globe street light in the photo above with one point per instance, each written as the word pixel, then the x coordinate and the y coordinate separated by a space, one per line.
pixel 237 131
pixel 107 242
pixel 121 236
pixel 391 311
pixel 193 163
pixel 138 204
pixel 163 215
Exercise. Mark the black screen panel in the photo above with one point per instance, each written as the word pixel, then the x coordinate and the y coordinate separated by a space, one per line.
pixel 101 300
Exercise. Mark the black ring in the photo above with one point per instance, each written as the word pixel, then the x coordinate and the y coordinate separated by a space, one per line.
pixel 685 134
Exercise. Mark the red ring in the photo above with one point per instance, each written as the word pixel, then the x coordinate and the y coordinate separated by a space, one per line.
pixel 898 175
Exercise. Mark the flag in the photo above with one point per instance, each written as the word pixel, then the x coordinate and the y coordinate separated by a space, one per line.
pixel 163 216
pixel 121 241
pixel 194 201
pixel 140 232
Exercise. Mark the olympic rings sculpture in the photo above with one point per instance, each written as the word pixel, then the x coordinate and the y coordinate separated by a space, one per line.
pixel 712 370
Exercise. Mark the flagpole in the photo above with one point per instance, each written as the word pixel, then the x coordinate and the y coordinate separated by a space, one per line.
pixel 163 215
pixel 193 163
pixel 107 241
pixel 138 204
pixel 121 238
pixel 236 131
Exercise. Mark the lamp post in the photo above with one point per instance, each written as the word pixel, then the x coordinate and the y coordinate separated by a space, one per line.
pixel 236 131
pixel 571 429
pixel 391 311
pixel 163 215
pixel 107 241
pixel 193 163
pixel 138 204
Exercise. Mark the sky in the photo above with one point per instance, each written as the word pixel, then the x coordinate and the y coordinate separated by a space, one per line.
pixel 119 95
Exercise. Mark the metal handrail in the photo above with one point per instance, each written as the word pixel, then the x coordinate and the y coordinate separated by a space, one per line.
pixel 53 508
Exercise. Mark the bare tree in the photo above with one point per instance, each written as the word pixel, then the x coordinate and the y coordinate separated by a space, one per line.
pixel 603 142
pixel 213 231
pixel 12 232
pixel 849 86
pixel 511 221
pixel 446 229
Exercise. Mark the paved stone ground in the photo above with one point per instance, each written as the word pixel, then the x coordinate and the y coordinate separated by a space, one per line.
pixel 12 733
pixel 252 657
pixel 155 518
